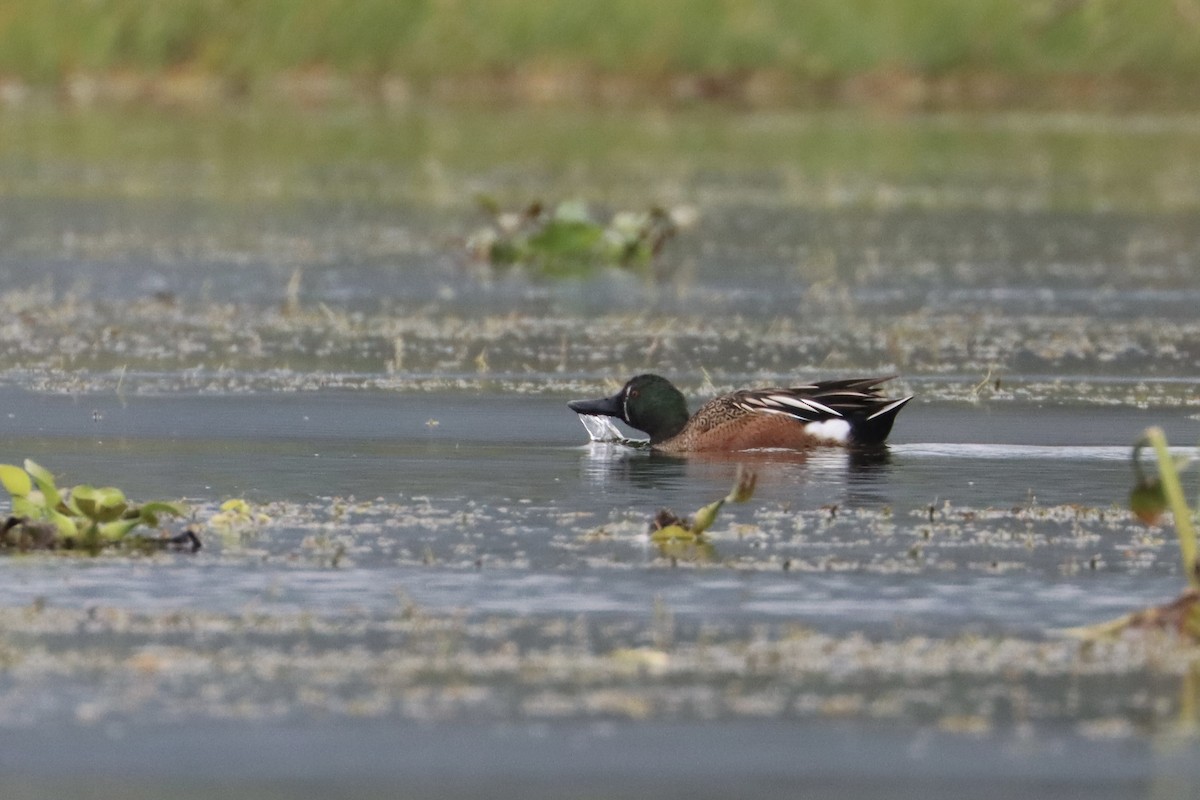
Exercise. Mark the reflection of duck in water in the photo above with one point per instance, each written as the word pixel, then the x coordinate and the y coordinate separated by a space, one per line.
pixel 849 413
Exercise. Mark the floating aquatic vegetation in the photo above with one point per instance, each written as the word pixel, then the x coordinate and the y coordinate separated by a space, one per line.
pixel 1151 496
pixel 235 518
pixel 83 517
pixel 670 531
pixel 569 240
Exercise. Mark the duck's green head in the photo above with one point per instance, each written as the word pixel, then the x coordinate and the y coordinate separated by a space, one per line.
pixel 649 403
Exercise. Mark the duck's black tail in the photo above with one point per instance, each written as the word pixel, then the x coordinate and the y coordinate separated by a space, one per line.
pixel 873 427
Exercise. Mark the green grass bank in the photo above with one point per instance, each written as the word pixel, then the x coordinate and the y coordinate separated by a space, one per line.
pixel 913 53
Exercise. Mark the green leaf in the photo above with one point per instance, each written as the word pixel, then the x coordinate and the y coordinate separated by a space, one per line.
pixel 110 504
pixel 148 513
pixel 15 480
pixel 117 530
pixel 706 516
pixel 673 533
pixel 570 239
pixel 85 501
pixel 27 507
pixel 67 529
pixel 45 481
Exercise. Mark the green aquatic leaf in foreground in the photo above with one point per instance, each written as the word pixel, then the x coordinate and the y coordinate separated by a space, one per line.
pixel 15 480
pixel 89 517
pixel 45 482
pixel 27 506
pixel 149 513
pixel 117 530
pixel 66 526
pixel 99 504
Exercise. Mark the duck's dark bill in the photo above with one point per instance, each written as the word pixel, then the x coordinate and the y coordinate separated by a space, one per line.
pixel 605 407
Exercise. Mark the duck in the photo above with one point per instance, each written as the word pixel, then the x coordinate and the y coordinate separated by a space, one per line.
pixel 847 413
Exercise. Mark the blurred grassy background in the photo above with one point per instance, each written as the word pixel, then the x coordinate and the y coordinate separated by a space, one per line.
pixel 911 52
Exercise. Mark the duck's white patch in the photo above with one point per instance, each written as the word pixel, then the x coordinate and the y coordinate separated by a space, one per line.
pixel 830 430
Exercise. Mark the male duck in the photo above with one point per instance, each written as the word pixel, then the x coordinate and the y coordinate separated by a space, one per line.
pixel 847 412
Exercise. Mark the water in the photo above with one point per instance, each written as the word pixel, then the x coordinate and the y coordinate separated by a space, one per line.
pixel 451 569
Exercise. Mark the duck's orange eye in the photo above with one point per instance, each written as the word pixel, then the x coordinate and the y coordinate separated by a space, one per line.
pixel 633 392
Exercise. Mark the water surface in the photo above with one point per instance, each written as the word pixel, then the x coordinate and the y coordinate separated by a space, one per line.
pixel 449 568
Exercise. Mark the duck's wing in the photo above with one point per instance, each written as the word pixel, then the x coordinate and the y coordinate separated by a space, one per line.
pixel 857 402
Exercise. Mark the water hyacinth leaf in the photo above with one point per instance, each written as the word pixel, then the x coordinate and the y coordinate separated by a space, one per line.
pixel 111 503
pixel 118 529
pixel 67 529
pixel 148 513
pixel 29 507
pixel 98 504
pixel 44 480
pixel 15 480
pixel 82 501
pixel 86 517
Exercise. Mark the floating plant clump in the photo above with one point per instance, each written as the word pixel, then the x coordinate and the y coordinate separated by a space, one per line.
pixel 678 537
pixel 666 526
pixel 569 240
pixel 83 517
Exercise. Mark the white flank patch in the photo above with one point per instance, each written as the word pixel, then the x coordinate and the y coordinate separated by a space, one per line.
pixel 830 430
